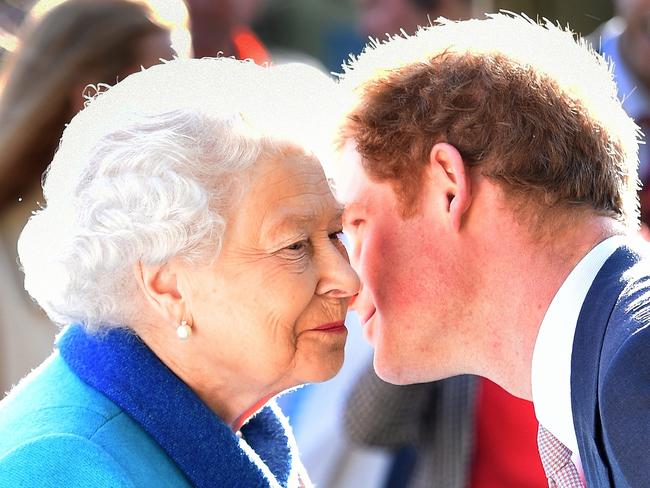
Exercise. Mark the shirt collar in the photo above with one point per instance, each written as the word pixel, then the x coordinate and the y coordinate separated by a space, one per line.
pixel 119 365
pixel 551 367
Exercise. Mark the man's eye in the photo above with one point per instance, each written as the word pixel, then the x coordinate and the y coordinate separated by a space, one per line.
pixel 356 222
pixel 336 236
pixel 352 225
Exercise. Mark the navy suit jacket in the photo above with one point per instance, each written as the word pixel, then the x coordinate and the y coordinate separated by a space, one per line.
pixel 610 373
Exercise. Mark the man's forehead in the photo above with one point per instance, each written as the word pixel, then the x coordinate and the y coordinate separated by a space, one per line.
pixel 350 176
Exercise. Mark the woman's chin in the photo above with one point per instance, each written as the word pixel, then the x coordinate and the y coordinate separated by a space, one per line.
pixel 323 369
pixel 320 355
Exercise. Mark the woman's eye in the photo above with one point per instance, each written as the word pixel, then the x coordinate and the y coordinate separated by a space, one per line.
pixel 297 246
pixel 336 236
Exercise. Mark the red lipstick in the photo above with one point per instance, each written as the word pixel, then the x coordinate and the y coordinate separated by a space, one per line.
pixel 332 327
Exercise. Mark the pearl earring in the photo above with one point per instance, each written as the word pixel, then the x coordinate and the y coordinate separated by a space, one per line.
pixel 183 331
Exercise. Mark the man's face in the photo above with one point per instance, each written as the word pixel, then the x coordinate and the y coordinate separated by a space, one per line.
pixel 410 289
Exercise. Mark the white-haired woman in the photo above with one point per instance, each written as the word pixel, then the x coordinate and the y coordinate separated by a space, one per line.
pixel 192 241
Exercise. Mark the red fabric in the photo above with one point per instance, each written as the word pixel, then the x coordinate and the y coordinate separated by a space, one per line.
pixel 505 452
pixel 249 46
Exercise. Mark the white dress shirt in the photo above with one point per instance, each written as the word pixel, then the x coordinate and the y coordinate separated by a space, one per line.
pixel 551 368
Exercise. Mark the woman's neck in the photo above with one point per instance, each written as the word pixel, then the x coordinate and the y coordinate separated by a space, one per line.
pixel 227 397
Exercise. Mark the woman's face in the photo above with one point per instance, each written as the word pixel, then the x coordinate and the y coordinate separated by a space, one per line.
pixel 268 313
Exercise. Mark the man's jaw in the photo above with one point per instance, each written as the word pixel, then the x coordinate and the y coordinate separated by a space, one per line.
pixel 366 310
pixel 366 319
pixel 366 315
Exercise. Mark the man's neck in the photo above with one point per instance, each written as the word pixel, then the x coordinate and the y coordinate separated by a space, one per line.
pixel 522 287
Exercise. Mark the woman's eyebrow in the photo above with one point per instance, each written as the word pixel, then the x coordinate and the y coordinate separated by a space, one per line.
pixel 287 220
pixel 291 219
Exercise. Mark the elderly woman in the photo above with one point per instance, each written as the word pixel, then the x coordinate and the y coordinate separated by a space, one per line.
pixel 192 243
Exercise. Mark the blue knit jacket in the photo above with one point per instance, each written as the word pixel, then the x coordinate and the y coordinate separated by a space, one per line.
pixel 104 411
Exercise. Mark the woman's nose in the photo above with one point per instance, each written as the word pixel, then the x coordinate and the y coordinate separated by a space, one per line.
pixel 337 279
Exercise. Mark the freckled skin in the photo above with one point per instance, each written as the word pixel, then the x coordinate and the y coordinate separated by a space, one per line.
pixel 281 273
pixel 409 279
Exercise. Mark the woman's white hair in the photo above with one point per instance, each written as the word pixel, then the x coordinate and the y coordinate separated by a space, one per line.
pixel 149 170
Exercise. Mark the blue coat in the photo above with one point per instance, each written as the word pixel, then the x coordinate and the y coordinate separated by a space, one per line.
pixel 610 374
pixel 103 411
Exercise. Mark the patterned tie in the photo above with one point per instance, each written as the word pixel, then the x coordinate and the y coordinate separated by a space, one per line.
pixel 556 459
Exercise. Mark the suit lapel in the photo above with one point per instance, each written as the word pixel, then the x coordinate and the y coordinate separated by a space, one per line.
pixel 585 360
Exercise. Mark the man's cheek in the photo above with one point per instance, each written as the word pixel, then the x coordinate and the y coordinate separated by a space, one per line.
pixel 378 264
pixel 352 248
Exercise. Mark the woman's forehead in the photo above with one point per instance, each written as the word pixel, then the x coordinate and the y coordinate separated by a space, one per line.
pixel 285 194
pixel 282 220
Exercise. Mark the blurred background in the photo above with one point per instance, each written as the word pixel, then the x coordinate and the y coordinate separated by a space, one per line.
pixel 355 430
pixel 328 29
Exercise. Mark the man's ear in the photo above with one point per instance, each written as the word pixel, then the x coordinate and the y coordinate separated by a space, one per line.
pixel 159 285
pixel 446 161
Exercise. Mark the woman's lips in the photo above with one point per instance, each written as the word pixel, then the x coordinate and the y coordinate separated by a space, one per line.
pixel 338 326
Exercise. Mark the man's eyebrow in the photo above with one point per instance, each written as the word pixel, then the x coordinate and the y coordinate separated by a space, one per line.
pixel 353 206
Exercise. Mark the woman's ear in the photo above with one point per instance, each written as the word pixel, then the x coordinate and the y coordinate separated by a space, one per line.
pixel 159 285
pixel 445 160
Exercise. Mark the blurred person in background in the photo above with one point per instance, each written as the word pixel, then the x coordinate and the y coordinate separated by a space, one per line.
pixel 221 27
pixel 380 17
pixel 461 432
pixel 63 47
pixel 625 40
pixel 193 253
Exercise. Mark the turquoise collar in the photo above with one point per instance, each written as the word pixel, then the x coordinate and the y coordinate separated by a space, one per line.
pixel 119 365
